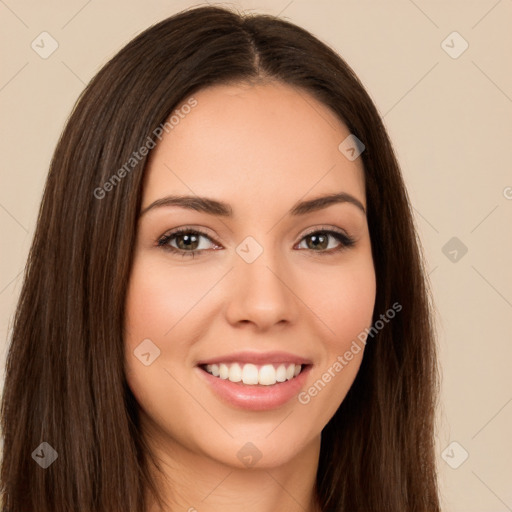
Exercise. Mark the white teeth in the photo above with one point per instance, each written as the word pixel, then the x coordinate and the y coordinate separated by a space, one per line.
pixel 214 368
pixel 223 371
pixel 235 373
pixel 265 375
pixel 250 374
pixel 281 373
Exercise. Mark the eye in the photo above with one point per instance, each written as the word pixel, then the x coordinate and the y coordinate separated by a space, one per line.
pixel 319 238
pixel 188 241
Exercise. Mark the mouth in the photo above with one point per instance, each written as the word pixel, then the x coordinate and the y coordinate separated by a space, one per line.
pixel 261 391
pixel 250 374
pixel 255 381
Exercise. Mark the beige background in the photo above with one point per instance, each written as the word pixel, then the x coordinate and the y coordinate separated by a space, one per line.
pixel 451 123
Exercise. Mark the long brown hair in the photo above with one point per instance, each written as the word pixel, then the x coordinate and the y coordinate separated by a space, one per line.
pixel 65 382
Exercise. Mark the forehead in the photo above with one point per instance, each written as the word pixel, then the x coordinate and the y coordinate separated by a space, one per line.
pixel 255 144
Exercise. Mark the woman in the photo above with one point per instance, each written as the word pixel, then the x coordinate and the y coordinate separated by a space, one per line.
pixel 287 362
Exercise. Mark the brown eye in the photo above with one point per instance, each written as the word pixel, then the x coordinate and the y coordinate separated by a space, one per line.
pixel 187 241
pixel 318 241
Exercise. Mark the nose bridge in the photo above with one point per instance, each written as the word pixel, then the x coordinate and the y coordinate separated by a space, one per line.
pixel 260 292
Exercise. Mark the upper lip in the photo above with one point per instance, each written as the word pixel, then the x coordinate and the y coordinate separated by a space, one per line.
pixel 256 358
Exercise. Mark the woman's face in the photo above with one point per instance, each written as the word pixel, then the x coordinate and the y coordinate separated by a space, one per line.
pixel 268 288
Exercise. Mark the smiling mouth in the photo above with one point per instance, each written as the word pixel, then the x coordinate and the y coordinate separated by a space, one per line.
pixel 252 374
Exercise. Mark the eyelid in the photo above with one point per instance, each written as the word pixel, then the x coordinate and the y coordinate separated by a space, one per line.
pixel 325 228
pixel 346 242
pixel 200 232
pixel 205 231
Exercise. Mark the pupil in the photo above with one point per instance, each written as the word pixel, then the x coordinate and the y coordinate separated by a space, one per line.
pixel 188 239
pixel 318 240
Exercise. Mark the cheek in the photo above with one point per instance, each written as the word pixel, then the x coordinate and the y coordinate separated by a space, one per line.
pixel 159 300
pixel 155 304
pixel 152 310
pixel 344 300
pixel 163 305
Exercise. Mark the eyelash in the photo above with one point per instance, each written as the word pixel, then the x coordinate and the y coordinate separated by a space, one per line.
pixel 345 240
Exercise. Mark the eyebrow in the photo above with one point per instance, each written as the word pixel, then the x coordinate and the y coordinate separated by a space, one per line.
pixel 213 207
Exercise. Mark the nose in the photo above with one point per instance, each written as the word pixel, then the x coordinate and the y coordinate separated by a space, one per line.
pixel 261 293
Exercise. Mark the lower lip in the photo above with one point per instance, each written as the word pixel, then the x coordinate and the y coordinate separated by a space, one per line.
pixel 255 397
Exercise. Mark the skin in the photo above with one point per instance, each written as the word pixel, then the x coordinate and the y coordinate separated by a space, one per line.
pixel 260 148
